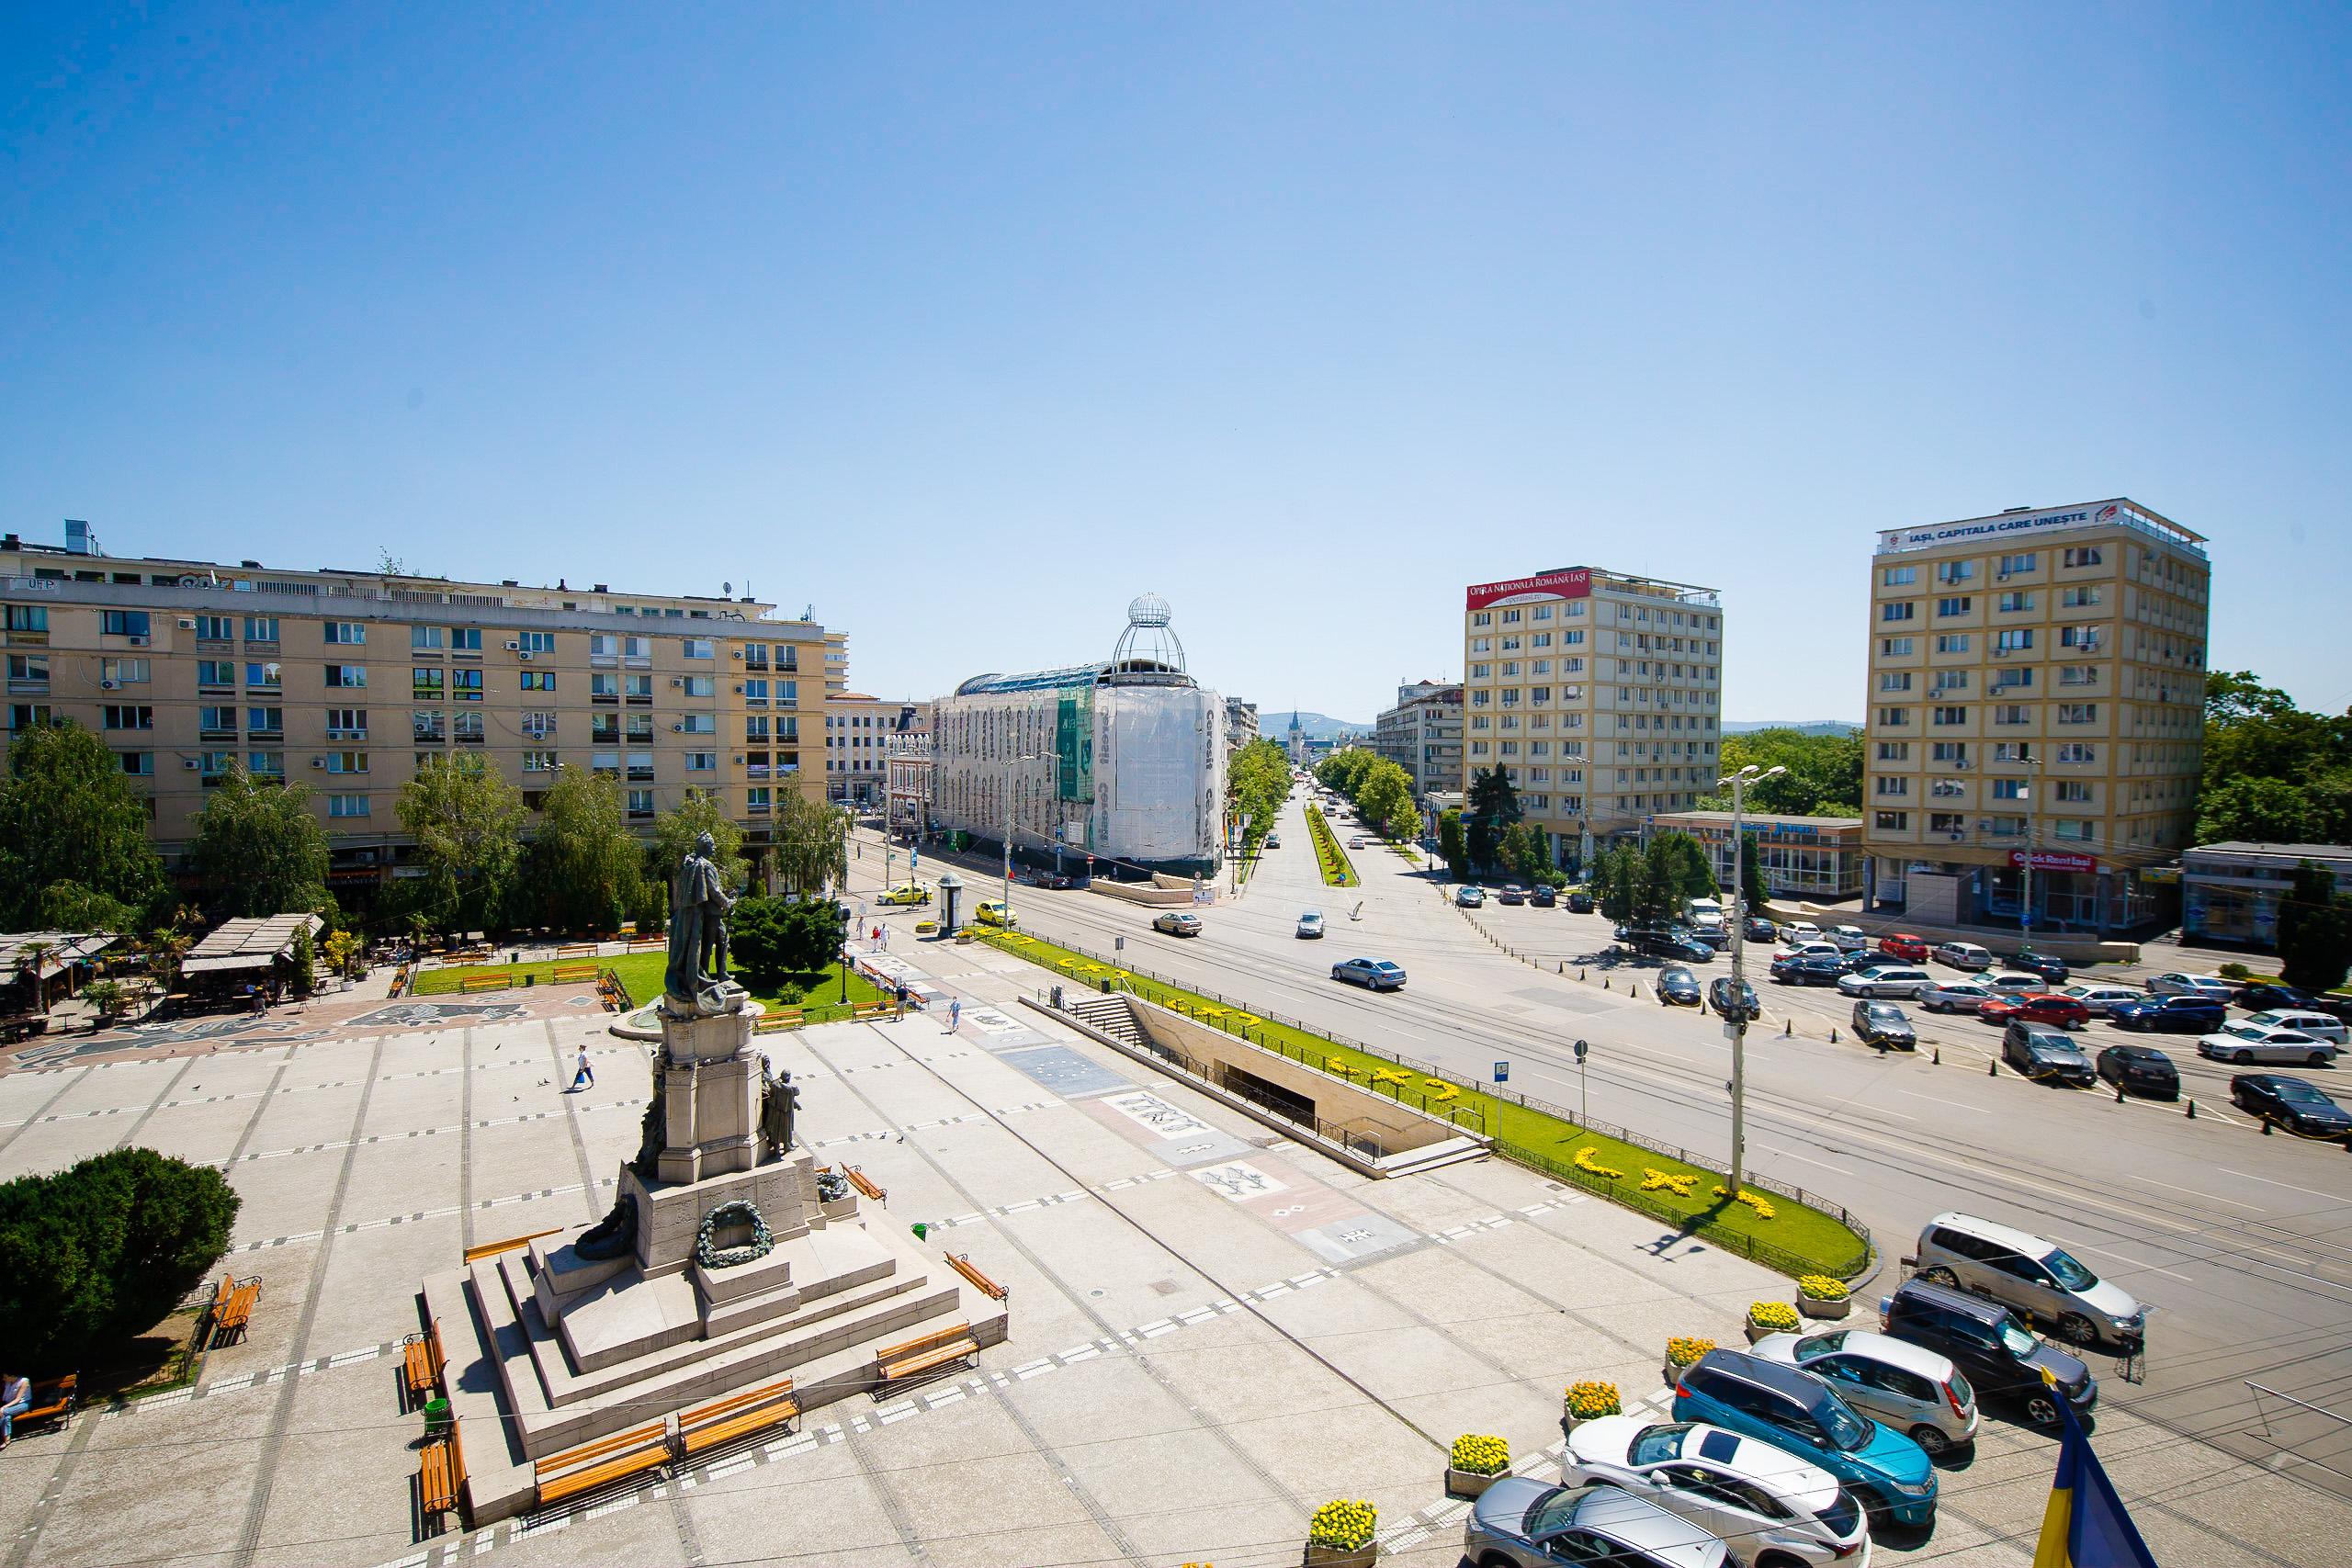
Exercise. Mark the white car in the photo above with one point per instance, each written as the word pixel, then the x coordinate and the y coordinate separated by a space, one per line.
pixel 1911 1388
pixel 1797 933
pixel 1814 949
pixel 2008 980
pixel 2176 983
pixel 2098 999
pixel 1310 923
pixel 1765 1502
pixel 1887 980
pixel 1849 939
pixel 1959 996
pixel 2318 1025
pixel 2246 1040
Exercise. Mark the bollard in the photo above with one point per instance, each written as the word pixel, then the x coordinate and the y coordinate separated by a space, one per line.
pixel 2192 1111
pixel 1833 1035
pixel 1605 982
pixel 1939 1057
pixel 1579 970
pixel 2266 1126
pixel 1993 1069
pixel 2118 1092
pixel 1788 1027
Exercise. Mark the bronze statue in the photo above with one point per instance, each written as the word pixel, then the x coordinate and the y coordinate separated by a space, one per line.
pixel 779 1103
pixel 695 984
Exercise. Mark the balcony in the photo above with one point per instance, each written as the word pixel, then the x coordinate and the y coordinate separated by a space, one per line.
pixel 216 732
pixel 641 776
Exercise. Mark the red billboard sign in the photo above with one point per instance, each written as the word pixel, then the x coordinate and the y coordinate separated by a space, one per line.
pixel 2055 860
pixel 1576 583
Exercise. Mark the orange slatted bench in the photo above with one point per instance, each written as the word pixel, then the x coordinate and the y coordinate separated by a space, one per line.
pixel 926 1353
pixel 424 1360
pixel 599 1463
pixel 228 1321
pixel 708 1426
pixel 443 1477
pixel 571 973
pixel 53 1400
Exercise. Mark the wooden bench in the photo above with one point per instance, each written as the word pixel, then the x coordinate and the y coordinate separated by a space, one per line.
pixel 962 1264
pixel 708 1426
pixel 779 1018
pixel 571 974
pixel 440 1482
pixel 493 1248
pixel 591 1465
pixel 423 1360
pixel 864 1183
pixel 53 1400
pixel 577 950
pixel 485 982
pixel 864 1010
pixel 229 1319
pixel 925 1353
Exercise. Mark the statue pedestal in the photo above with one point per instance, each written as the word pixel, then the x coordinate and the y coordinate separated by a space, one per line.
pixel 710 1095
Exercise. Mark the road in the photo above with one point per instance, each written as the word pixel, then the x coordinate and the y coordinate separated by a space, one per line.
pixel 2243 1242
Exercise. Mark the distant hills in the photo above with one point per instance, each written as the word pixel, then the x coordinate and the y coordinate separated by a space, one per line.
pixel 1803 726
pixel 1274 724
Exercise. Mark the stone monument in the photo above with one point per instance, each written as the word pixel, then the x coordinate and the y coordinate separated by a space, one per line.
pixel 725 1262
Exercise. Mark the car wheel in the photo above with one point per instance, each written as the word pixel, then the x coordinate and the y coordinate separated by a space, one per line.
pixel 1943 1277
pixel 1931 1440
pixel 2041 1409
pixel 2242 1059
pixel 2077 1329
pixel 2316 1059
pixel 1874 1504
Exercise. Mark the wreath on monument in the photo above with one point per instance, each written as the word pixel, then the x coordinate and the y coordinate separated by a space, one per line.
pixel 737 1212
pixel 832 1186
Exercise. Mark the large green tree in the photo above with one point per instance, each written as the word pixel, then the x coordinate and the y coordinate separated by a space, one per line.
pixel 468 824
pixel 1453 844
pixel 1621 883
pixel 675 831
pixel 587 868
pixel 809 848
pixel 1385 798
pixel 2314 930
pixel 771 938
pixel 1257 782
pixel 1753 894
pixel 258 849
pixel 1493 806
pixel 1824 777
pixel 1677 872
pixel 68 815
pixel 2273 772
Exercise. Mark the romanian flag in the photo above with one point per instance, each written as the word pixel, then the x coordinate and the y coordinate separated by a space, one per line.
pixel 2086 1526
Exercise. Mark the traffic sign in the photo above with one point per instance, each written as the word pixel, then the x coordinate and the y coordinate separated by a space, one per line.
pixel 1502 1072
pixel 1582 1048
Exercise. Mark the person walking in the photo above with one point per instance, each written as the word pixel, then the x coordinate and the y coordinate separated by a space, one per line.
pixel 584 1076
pixel 16 1398
pixel 955 1014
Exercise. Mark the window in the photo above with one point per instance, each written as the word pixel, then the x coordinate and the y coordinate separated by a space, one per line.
pixel 261 629
pixel 1949 751
pixel 132 622
pixel 1952 679
pixel 1894 750
pixel 1895 646
pixel 1959 607
pixel 465 639
pixel 2016 640
pixel 263 677
pixel 2077 751
pixel 1899 576
pixel 1947 822
pixel 1956 571
pixel 31 668
pixel 638 688
pixel 642 648
pixel 425 684
pixel 2074 791
pixel 426 724
pixel 2078 674
pixel 28 618
pixel 538 680
pixel 465 686
pixel 120 716
pixel 2074 830
pixel 268 722
pixel 1894 715
pixel 641 765
pixel 755 691
pixel 1893 821
pixel 124 671
pixel 1898 610
pixel 2026 562
pixel 537 642
pixel 346 806
pixel 640 803
pixel 2014 601
pixel 138 764
pixel 1951 715
pixel 345 634
pixel 2085 637
pixel 346 761
pixel 702 761
pixel 1949 789
pixel 465 728
pixel 2078 713
pixel 2078 597
pixel 346 724
pixel 760 799
pixel 1894 680
pixel 604 644
pixel 1951 642
pixel 699 648
pixel 347 675
pixel 2011 712
pixel 2083 555
pixel 24 716
pixel 426 637
pixel 2009 789
pixel 2013 680
pixel 700 724
pixel 539 724
pixel 1891 784
pixel 216 672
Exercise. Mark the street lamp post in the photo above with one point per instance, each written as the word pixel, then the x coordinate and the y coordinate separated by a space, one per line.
pixel 1735 1021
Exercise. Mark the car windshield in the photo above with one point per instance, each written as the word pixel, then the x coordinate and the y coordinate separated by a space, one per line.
pixel 1820 1344
pixel 1553 1512
pixel 1675 977
pixel 2015 1340
pixel 1653 1445
pixel 2248 1031
pixel 1847 1432
pixel 2070 1275
pixel 2294 1088
pixel 1878 1013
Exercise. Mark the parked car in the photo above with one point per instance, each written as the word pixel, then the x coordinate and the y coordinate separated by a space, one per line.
pixel 905 893
pixel 1372 973
pixel 1758 929
pixel 1886 980
pixel 1062 880
pixel 1579 902
pixel 1808 949
pixel 2179 983
pixel 2049 966
pixel 2036 1007
pixel 2318 1025
pixel 1985 1340
pixel 1669 943
pixel 1903 946
pixel 1964 955
pixel 2170 1015
pixel 1906 1386
pixel 1469 896
pixel 2023 981
pixel 1797 933
pixel 1310 923
pixel 1728 1002
pixel 2246 1041
pixel 2099 1000
pixel 1812 969
pixel 2143 1069
pixel 1678 987
pixel 2040 1281
pixel 1177 922
pixel 1883 1024
pixel 2259 996
pixel 1512 893
pixel 2045 1055
pixel 2292 1102
pixel 1528 1524
pixel 1764 1503
pixel 1887 1473
pixel 1273 840
pixel 1542 897
pixel 1849 939
pixel 1959 996
pixel 994 912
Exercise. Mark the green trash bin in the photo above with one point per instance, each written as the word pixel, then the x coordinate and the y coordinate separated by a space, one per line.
pixel 437 1419
pixel 921 1230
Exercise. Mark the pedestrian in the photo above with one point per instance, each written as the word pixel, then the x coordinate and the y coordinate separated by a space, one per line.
pixel 16 1398
pixel 885 932
pixel 955 1014
pixel 585 1077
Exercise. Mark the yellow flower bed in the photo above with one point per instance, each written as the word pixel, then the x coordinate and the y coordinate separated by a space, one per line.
pixel 1586 1162
pixel 1820 1288
pixel 1684 1348
pixel 1341 1065
pixel 1755 1201
pixel 1477 1454
pixel 1778 1316
pixel 1343 1526
pixel 1592 1399
pixel 1679 1185
pixel 1439 1089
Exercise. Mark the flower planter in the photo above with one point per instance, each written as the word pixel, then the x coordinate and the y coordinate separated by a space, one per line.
pixel 1670 1372
pixel 1466 1483
pixel 1337 1557
pixel 1755 1330
pixel 1837 1309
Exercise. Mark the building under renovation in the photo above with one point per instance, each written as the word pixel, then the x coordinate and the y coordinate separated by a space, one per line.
pixel 1122 761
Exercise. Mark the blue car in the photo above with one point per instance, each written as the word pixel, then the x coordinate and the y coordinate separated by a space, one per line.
pixel 2173 1015
pixel 1888 1474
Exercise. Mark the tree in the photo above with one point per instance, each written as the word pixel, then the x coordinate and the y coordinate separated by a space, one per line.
pixel 1621 883
pixel 1753 894
pixel 2314 930
pixel 2273 773
pixel 1677 872
pixel 67 815
pixel 301 964
pixel 258 849
pixel 2258 810
pixel 340 949
pixel 1385 797
pixel 1452 845
pixel 588 869
pixel 108 997
pixel 70 906
pixel 809 850
pixel 468 824
pixel 103 1250
pixel 1257 782
pixel 771 938
pixel 1824 777
pixel 675 831
pixel 1493 806
pixel 1526 852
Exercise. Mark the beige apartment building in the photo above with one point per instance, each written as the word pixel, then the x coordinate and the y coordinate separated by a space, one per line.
pixel 1598 694
pixel 1423 735
pixel 858 729
pixel 2036 687
pixel 349 680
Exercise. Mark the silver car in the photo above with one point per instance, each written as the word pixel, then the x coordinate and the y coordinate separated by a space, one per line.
pixel 1887 980
pixel 1310 923
pixel 1909 1387
pixel 1520 1523
pixel 2249 1040
pixel 1959 996
pixel 2044 1283
pixel 1766 1503
pixel 2098 999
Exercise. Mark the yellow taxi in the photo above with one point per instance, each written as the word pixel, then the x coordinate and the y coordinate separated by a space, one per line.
pixel 994 912
pixel 907 893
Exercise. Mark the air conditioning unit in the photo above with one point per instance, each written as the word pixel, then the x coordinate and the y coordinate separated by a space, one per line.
pixel 1956 837
pixel 514 645
pixel 138 641
pixel 190 762
pixel 739 760
pixel 318 761
pixel 187 622
pixel 523 656
pixel 679 728
pixel 677 680
pixel 108 686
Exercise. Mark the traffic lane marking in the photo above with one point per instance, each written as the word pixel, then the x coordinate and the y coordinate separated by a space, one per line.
pixel 2331 1197
pixel 2209 1197
pixel 1791 1153
pixel 1939 1099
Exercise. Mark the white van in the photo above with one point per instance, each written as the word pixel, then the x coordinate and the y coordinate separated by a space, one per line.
pixel 1963 955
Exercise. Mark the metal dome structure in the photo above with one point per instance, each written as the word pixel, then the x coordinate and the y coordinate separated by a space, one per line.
pixel 1149 648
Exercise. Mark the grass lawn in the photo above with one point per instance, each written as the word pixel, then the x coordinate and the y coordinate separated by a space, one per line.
pixel 1337 870
pixel 1797 1239
pixel 640 974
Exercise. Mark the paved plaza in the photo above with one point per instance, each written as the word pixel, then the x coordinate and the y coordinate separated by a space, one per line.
pixel 1213 1330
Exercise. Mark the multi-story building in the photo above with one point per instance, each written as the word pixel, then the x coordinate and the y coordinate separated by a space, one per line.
pixel 1816 858
pixel 350 680
pixel 2037 688
pixel 1241 723
pixel 1123 760
pixel 1598 694
pixel 857 728
pixel 2231 892
pixel 1423 735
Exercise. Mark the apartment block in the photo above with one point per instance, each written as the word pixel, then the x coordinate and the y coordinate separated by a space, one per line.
pixel 2037 689
pixel 1422 734
pixel 350 680
pixel 858 729
pixel 1598 694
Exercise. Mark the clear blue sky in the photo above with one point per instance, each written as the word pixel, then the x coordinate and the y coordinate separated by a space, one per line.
pixel 967 323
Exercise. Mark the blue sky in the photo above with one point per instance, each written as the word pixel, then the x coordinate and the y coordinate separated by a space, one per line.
pixel 968 323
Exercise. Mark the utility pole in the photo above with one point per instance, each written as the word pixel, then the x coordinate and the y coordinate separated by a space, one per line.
pixel 1735 1018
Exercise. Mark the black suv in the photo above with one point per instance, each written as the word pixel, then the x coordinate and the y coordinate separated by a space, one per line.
pixel 1579 903
pixel 1542 897
pixel 2141 1068
pixel 2045 1053
pixel 2052 970
pixel 1988 1343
